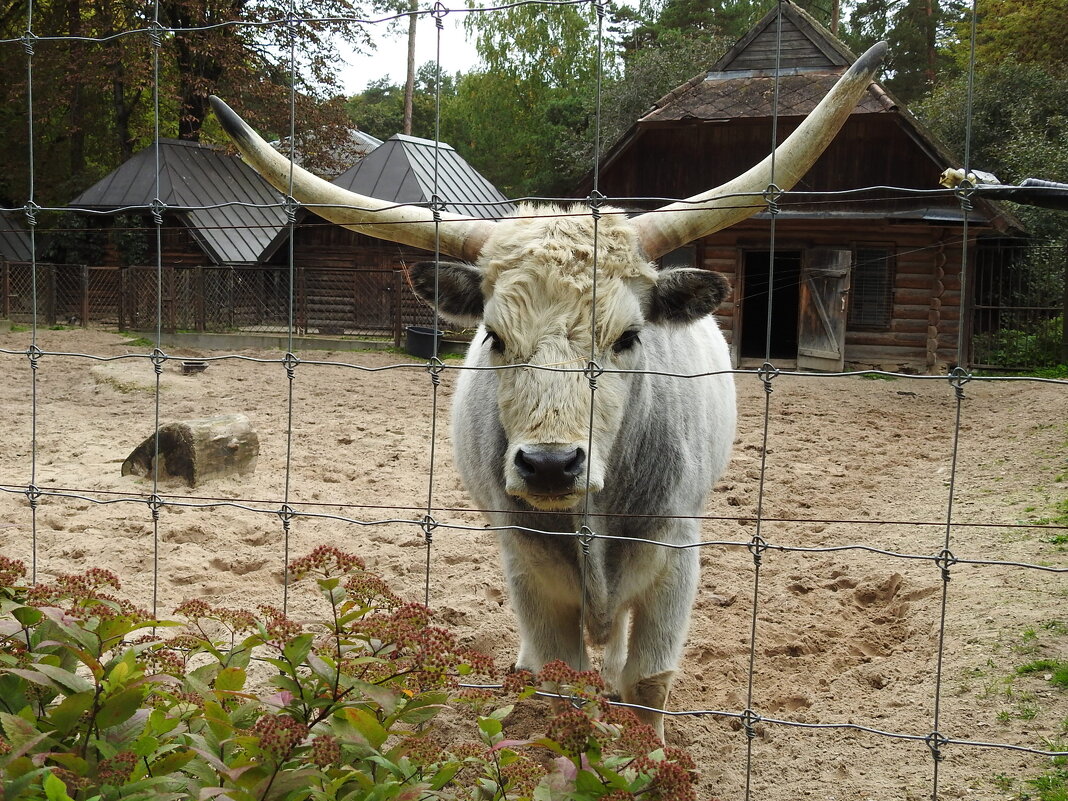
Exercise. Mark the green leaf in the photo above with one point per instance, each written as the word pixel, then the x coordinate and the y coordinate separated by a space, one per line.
pixel 55 789
pixel 27 615
pixel 160 723
pixel 64 715
pixel 366 725
pixel 325 670
pixel 491 730
pixel 72 762
pixel 18 730
pixel 296 650
pixel 119 708
pixel 36 677
pixel 588 782
pixel 172 762
pixel 71 682
pixel 386 698
pixel 502 713
pixel 18 777
pixel 444 775
pixel 230 679
pixel 72 628
pixel 420 708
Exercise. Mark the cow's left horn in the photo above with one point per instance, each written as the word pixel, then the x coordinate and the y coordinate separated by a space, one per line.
pixel 459 236
pixel 675 225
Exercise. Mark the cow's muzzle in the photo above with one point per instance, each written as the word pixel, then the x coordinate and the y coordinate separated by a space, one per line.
pixel 550 471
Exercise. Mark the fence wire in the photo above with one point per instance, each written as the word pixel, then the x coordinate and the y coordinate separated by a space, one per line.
pixel 292 300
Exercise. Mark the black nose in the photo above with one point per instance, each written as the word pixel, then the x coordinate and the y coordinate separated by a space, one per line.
pixel 550 472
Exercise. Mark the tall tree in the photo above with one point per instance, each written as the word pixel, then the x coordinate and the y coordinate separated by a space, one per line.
pixel 507 118
pixel 913 30
pixel 92 98
pixel 1026 137
pixel 380 108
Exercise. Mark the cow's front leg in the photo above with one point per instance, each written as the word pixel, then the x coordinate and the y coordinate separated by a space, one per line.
pixel 548 625
pixel 661 618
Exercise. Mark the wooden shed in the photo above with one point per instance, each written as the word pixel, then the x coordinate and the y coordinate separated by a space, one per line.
pixel 215 209
pixel 14 238
pixel 870 276
pixel 349 282
pixel 218 217
pixel 15 247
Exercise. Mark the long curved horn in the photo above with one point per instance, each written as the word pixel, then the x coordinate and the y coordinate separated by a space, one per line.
pixel 674 225
pixel 460 236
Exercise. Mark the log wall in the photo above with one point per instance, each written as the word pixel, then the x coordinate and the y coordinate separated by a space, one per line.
pixel 926 286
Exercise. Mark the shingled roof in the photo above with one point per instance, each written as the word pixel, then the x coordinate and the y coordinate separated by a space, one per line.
pixel 240 222
pixel 742 83
pixel 14 240
pixel 402 170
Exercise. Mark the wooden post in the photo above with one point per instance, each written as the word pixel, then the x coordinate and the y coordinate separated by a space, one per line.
pixel 50 297
pixel 85 295
pixel 300 295
pixel 168 299
pixel 198 298
pixel 5 292
pixel 122 298
pixel 1064 312
pixel 398 294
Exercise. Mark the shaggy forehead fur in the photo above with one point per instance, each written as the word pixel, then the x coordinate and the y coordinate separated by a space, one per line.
pixel 558 240
pixel 538 270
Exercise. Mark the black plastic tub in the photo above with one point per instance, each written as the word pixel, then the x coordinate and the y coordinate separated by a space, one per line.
pixel 419 340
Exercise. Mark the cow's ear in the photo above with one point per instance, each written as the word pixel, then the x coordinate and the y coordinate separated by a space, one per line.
pixel 687 294
pixel 459 290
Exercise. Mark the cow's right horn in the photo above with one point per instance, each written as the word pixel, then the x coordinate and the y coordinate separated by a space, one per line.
pixel 457 235
pixel 677 224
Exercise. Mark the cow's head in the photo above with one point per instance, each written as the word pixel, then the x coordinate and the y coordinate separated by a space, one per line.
pixel 533 290
pixel 530 280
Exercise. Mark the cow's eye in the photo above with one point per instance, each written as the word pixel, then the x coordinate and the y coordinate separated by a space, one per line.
pixel 627 341
pixel 496 343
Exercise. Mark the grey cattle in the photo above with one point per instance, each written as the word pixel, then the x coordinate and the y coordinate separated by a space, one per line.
pixel 537 446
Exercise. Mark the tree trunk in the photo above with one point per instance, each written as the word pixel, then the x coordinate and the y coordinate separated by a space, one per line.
pixel 77 109
pixel 409 83
pixel 197 450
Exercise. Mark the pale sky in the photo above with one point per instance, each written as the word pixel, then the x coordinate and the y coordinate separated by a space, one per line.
pixel 391 57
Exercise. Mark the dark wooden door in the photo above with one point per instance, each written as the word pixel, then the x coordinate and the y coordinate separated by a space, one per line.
pixel 821 329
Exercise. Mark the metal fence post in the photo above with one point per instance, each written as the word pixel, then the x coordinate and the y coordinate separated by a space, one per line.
pixel 5 291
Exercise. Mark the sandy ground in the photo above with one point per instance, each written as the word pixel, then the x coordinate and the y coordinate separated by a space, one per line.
pixel 842 636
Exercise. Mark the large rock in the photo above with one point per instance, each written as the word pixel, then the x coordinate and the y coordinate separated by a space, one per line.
pixel 198 450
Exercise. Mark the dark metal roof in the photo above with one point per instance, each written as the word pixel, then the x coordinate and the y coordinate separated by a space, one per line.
pixel 356 145
pixel 193 176
pixel 402 170
pixel 14 239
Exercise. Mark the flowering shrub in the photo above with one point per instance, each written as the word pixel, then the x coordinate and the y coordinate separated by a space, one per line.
pixel 98 701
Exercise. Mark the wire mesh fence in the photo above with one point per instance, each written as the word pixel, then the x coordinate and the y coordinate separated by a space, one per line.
pixel 1019 313
pixel 785 539
pixel 335 301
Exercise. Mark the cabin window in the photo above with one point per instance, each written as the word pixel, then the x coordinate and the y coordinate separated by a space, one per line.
pixel 685 256
pixel 871 288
